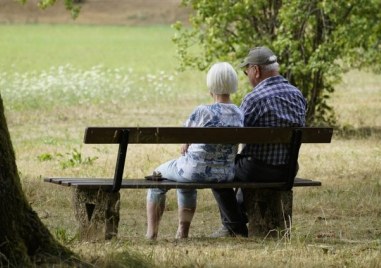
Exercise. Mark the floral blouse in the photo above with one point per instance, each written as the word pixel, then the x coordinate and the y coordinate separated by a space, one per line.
pixel 211 162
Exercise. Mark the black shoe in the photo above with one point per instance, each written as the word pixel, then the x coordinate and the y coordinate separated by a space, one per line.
pixel 222 232
pixel 225 232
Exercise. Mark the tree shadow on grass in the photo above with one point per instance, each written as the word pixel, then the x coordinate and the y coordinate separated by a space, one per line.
pixel 126 258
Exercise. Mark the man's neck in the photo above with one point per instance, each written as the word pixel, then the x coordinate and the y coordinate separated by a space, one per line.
pixel 268 74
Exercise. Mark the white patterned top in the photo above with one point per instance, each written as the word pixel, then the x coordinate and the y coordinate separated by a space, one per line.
pixel 211 162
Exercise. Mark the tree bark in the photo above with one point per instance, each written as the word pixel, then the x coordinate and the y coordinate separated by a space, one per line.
pixel 24 240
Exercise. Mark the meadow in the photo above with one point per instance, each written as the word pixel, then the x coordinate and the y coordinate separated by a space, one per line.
pixel 55 80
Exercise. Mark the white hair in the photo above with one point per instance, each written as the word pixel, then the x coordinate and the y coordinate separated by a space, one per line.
pixel 270 67
pixel 222 79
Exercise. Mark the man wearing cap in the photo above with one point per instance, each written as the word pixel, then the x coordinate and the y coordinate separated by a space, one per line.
pixel 273 102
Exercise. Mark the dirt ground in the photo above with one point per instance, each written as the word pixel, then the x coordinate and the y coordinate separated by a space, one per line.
pixel 119 12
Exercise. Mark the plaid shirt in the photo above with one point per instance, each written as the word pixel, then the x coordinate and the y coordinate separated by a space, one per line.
pixel 274 102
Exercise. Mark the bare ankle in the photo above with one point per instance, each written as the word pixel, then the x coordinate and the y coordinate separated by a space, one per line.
pixel 151 236
pixel 183 230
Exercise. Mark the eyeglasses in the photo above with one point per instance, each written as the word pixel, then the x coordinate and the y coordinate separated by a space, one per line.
pixel 247 69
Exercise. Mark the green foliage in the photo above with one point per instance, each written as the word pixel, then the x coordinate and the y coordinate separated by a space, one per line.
pixel 70 5
pixel 45 157
pixel 316 41
pixel 63 236
pixel 75 158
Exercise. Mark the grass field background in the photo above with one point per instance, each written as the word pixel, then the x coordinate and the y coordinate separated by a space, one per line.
pixel 55 80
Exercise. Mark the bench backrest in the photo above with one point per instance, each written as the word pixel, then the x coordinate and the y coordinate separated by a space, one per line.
pixel 152 135
pixel 170 135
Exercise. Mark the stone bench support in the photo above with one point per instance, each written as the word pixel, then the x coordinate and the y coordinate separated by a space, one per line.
pixel 97 213
pixel 269 212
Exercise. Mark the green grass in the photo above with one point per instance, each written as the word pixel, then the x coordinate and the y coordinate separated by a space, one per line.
pixel 39 47
pixel 56 80
pixel 44 66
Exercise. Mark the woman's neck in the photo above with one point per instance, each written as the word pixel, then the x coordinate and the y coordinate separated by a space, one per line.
pixel 221 98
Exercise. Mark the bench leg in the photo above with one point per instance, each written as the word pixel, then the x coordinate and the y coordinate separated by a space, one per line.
pixel 97 213
pixel 269 212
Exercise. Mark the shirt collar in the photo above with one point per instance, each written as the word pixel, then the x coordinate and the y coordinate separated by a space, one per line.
pixel 271 80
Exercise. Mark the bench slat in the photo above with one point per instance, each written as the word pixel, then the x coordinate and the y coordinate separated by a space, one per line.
pixel 167 135
pixel 106 184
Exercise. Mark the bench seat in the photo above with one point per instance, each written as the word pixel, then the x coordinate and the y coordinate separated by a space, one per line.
pixel 106 184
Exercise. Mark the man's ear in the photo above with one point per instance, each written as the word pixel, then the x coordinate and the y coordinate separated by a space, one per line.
pixel 257 72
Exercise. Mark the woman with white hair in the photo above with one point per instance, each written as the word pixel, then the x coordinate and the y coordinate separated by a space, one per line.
pixel 199 162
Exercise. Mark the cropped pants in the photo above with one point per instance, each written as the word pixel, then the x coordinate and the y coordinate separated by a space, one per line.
pixel 186 198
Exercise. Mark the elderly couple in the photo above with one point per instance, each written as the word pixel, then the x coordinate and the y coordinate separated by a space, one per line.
pixel 273 102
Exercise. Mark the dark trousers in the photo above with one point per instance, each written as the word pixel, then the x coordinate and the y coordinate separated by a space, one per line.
pixel 230 202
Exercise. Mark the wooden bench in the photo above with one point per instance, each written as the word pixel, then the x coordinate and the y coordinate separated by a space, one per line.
pixel 269 205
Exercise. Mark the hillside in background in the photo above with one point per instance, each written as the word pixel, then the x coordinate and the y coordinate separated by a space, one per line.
pixel 120 12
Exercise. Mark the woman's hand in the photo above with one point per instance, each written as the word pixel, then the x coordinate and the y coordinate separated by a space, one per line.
pixel 184 148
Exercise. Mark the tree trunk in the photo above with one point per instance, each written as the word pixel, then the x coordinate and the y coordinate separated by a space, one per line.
pixel 24 240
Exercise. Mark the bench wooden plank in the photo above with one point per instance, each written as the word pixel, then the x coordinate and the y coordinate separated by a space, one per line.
pixel 106 184
pixel 167 135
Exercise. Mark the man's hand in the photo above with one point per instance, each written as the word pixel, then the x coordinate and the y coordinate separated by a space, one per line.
pixel 184 148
